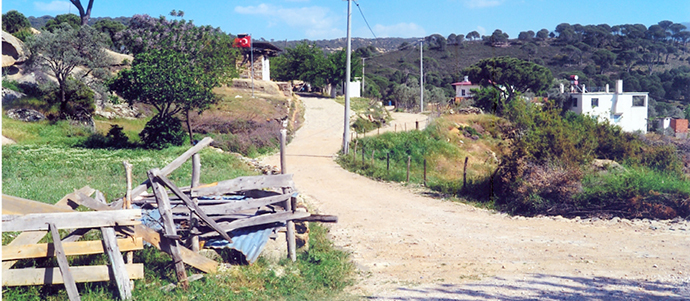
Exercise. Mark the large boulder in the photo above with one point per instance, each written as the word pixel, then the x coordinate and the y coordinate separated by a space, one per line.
pixel 26 115
pixel 13 50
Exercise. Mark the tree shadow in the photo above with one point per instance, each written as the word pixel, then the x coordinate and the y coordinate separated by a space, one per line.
pixel 547 287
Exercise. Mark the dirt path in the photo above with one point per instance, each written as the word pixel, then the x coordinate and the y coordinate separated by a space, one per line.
pixel 411 247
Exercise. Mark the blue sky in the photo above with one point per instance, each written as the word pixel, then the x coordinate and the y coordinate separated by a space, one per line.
pixel 326 19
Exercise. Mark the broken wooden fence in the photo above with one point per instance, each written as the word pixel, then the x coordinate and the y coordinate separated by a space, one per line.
pixel 33 219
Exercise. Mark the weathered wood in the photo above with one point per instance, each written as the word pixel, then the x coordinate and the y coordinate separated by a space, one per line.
pixel 408 169
pixel 188 256
pixel 169 229
pixel 259 220
pixel 117 263
pixel 237 206
pixel 192 206
pixel 89 202
pixel 40 276
pixel 174 164
pixel 71 248
pixel 464 174
pixel 283 162
pixel 127 204
pixel 319 218
pixel 17 205
pixel 70 284
pixel 245 183
pixel 196 179
pixel 71 220
pixel 32 237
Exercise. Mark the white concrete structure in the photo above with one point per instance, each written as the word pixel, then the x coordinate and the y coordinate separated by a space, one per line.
pixel 462 89
pixel 625 109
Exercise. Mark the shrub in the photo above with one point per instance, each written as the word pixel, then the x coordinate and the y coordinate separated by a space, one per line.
pixel 162 131
pixel 79 99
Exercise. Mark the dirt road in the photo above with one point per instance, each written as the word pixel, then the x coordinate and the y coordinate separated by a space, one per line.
pixel 408 246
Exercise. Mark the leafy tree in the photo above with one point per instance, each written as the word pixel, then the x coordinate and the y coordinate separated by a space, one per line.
pixel 110 28
pixel 61 51
pixel 436 41
pixel 526 36
pixel 56 23
pixel 84 14
pixel 543 34
pixel 303 62
pixel 510 76
pixel 472 35
pixel 531 49
pixel 628 58
pixel 497 37
pixel 604 59
pixel 14 21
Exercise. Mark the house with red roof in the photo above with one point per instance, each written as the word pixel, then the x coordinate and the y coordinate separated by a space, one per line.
pixel 463 89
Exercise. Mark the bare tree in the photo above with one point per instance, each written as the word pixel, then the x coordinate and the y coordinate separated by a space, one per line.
pixel 84 14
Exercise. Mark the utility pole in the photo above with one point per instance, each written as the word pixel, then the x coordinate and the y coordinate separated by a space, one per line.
pixel 251 58
pixel 346 119
pixel 363 75
pixel 421 76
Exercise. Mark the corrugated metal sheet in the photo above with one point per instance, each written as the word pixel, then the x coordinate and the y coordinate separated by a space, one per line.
pixel 249 242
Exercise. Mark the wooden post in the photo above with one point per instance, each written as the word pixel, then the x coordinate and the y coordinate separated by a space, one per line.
pixel 464 174
pixel 70 285
pixel 416 124
pixel 127 204
pixel 196 179
pixel 354 153
pixel 408 168
pixel 117 263
pixel 372 157
pixel 169 230
pixel 424 171
pixel 283 137
pixel 363 155
pixel 388 161
pixel 290 225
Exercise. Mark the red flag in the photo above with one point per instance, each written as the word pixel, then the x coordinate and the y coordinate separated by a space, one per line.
pixel 243 42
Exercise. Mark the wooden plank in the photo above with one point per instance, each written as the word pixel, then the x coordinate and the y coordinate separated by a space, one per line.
pixel 32 237
pixel 71 220
pixel 245 183
pixel 70 285
pixel 174 164
pixel 319 218
pixel 196 180
pixel 188 256
pixel 71 248
pixel 169 229
pixel 236 206
pixel 259 220
pixel 193 207
pixel 17 205
pixel 117 263
pixel 40 276
pixel 90 202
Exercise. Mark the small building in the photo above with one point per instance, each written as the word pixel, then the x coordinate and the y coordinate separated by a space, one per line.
pixel 625 109
pixel 674 127
pixel 262 51
pixel 463 89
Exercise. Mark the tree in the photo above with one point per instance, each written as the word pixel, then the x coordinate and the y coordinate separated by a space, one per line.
pixel 629 58
pixel 14 21
pixel 531 49
pixel 604 59
pixel 543 34
pixel 84 14
pixel 526 36
pixel 497 37
pixel 472 35
pixel 110 28
pixel 61 51
pixel 510 76
pixel 71 19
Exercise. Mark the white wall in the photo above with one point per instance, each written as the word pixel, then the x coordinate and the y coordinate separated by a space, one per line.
pixel 618 109
pixel 265 69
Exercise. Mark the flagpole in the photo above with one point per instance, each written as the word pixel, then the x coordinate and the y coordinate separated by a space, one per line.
pixel 251 58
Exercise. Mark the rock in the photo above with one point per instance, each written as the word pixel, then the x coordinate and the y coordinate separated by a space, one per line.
pixel 10 95
pixel 118 59
pixel 26 115
pixel 606 165
pixel 13 50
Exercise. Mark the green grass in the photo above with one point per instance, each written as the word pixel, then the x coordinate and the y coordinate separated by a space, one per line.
pixel 46 164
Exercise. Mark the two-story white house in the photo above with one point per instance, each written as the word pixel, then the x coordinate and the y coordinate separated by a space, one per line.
pixel 625 109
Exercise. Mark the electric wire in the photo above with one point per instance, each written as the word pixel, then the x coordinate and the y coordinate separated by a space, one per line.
pixel 365 19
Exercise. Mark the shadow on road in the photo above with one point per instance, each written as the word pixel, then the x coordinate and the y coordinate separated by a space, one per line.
pixel 547 287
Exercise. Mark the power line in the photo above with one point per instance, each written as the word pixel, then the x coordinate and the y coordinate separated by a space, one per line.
pixel 365 19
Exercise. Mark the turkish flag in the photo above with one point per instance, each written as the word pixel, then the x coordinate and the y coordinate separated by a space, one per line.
pixel 243 42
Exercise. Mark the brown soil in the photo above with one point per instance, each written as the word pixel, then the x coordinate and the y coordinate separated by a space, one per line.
pixel 408 245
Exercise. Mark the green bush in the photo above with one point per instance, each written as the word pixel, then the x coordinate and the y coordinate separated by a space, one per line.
pixel 162 131
pixel 79 99
pixel 115 138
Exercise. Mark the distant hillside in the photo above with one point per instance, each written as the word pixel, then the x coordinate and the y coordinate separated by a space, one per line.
pixel 381 44
pixel 39 22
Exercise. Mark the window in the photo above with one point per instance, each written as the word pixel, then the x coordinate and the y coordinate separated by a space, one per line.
pixel 638 100
pixel 463 92
pixel 574 102
pixel 595 102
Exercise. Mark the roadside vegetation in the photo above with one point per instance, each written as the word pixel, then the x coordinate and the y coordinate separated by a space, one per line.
pixel 371 114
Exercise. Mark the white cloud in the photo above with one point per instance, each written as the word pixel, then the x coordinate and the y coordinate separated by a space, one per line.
pixel 316 22
pixel 403 30
pixel 483 3
pixel 53 6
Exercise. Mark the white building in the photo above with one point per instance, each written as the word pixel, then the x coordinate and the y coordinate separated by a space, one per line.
pixel 462 89
pixel 625 109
